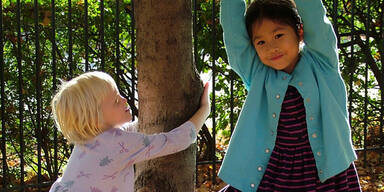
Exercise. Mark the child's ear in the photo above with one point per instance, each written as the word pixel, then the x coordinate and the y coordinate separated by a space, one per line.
pixel 300 31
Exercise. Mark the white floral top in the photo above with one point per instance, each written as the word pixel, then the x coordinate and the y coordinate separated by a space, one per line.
pixel 105 164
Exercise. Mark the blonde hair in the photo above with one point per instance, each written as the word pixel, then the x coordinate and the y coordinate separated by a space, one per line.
pixel 76 106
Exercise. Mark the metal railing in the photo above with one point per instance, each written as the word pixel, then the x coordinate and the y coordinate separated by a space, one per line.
pixel 41 43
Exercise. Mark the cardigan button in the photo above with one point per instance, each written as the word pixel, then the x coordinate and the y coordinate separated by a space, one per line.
pixel 308 100
pixel 311 118
pixel 259 168
pixel 314 135
pixel 278 96
pixel 274 115
pixel 300 84
pixel 267 150
pixel 252 185
pixel 318 153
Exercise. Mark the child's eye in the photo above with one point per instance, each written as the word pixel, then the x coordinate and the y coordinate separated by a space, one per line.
pixel 260 43
pixel 278 36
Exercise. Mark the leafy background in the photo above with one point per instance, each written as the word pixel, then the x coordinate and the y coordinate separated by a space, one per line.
pixel 27 116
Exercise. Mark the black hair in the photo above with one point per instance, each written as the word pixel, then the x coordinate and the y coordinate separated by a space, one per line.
pixel 281 11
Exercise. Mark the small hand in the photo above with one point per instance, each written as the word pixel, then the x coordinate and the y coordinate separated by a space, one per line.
pixel 205 97
pixel 205 103
pixel 198 119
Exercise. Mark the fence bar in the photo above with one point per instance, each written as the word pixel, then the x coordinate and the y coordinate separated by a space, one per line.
pixel 86 35
pixel 29 186
pixel 133 57
pixel 38 92
pixel 54 87
pixel 371 149
pixel 3 129
pixel 334 17
pixel 20 92
pixel 214 43
pixel 70 39
pixel 366 86
pixel 231 118
pixel 381 92
pixel 208 162
pixel 117 40
pixel 102 34
pixel 351 64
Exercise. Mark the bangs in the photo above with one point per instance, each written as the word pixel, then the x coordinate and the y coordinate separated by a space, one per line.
pixel 280 11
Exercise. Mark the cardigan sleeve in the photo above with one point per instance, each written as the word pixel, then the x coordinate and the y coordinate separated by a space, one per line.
pixel 241 54
pixel 319 35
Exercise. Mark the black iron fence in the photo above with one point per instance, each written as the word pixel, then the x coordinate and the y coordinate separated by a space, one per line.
pixel 47 40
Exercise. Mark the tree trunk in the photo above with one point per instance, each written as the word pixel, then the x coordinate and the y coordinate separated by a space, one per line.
pixel 169 89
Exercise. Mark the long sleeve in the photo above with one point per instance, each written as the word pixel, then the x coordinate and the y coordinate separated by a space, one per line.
pixel 106 162
pixel 241 54
pixel 136 147
pixel 319 35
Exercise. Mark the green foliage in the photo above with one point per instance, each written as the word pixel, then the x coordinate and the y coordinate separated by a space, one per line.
pixel 357 20
pixel 356 52
pixel 21 102
pixel 211 52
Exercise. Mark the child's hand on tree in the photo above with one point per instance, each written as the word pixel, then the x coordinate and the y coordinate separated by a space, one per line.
pixel 198 119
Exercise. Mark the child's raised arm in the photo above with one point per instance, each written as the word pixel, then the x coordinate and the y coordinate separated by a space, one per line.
pixel 241 54
pixel 318 31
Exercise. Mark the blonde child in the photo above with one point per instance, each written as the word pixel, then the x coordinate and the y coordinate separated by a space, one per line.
pixel 91 114
pixel 293 132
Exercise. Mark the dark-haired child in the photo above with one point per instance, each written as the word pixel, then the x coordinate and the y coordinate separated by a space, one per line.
pixel 293 133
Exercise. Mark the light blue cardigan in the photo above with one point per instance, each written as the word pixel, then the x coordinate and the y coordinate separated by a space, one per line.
pixel 316 77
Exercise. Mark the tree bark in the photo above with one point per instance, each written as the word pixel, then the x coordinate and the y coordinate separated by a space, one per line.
pixel 169 89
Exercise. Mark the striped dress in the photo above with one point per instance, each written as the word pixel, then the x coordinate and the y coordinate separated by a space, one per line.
pixel 292 165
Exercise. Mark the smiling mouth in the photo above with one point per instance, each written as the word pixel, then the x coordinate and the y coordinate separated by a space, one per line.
pixel 276 57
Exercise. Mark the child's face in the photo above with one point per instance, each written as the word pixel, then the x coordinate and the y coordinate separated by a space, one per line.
pixel 115 110
pixel 276 44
